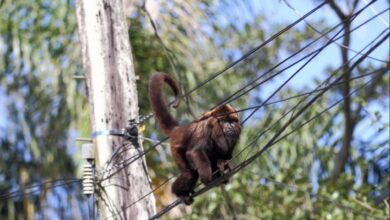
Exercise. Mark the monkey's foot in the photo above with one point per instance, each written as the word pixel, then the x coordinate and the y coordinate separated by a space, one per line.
pixel 224 167
pixel 188 200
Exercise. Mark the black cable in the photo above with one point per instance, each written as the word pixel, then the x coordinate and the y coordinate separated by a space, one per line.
pixel 274 138
pixel 236 169
pixel 304 94
pixel 325 89
pixel 318 87
pixel 148 194
pixel 231 97
pixel 144 196
pixel 292 76
pixel 269 143
pixel 133 159
pixel 136 157
pixel 30 188
pixel 324 34
pixel 249 53
pixel 313 91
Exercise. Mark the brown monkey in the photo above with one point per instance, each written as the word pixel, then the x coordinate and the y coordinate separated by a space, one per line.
pixel 199 148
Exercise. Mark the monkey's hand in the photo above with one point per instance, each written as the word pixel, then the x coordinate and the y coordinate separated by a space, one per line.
pixel 224 166
pixel 188 200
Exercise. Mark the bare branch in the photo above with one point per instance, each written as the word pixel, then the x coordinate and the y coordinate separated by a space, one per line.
pixel 337 9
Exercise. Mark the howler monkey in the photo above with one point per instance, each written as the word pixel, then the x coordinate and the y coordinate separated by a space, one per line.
pixel 199 148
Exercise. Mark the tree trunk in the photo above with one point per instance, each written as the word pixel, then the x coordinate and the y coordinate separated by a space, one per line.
pixel 349 125
pixel 112 97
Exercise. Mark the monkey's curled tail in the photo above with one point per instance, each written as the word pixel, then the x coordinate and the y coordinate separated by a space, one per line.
pixel 160 108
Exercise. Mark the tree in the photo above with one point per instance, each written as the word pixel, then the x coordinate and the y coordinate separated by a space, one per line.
pixel 40 108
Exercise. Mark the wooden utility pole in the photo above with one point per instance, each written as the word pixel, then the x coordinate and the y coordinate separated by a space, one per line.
pixel 112 97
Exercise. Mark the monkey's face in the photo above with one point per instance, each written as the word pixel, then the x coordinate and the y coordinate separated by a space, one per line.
pixel 230 129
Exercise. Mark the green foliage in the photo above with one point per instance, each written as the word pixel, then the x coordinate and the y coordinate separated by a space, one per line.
pixel 45 109
pixel 291 180
pixel 39 57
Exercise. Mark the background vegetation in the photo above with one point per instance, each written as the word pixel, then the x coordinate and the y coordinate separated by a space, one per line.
pixel 43 109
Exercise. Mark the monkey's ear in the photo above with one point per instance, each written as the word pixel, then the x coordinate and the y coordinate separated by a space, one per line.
pixel 211 122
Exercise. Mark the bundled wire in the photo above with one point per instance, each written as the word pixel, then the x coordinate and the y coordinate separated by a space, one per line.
pixel 275 137
pixel 245 56
pixel 325 34
pixel 249 53
pixel 269 128
pixel 37 187
pixel 233 97
pixel 311 119
pixel 320 90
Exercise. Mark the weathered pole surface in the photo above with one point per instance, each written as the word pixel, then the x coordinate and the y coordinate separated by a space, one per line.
pixel 112 98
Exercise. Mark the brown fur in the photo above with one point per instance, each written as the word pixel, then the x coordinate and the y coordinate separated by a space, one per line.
pixel 199 148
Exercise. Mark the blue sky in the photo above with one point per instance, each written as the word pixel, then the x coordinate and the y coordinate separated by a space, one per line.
pixel 330 57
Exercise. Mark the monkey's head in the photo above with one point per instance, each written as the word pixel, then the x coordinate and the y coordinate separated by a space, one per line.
pixel 226 113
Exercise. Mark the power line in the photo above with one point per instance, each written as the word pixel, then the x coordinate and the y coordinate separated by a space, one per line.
pixel 314 91
pixel 288 112
pixel 275 137
pixel 324 82
pixel 269 143
pixel 335 42
pixel 232 98
pixel 136 157
pixel 226 176
pixel 299 69
pixel 249 53
pixel 36 187
pixel 318 88
pixel 280 87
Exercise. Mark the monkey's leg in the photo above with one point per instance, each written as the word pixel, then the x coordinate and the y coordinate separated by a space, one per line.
pixel 184 184
pixel 179 156
pixel 201 163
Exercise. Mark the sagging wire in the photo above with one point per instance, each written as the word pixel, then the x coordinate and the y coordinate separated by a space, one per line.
pixel 234 96
pixel 136 157
pixel 296 11
pixel 36 187
pixel 308 121
pixel 273 139
pixel 311 119
pixel 318 87
pixel 249 53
